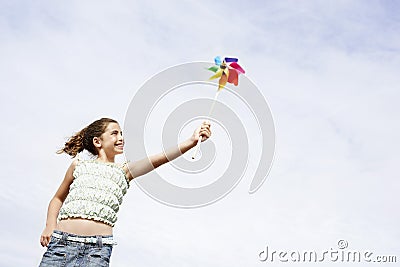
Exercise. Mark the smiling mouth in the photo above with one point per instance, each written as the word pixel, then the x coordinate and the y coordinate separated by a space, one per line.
pixel 120 146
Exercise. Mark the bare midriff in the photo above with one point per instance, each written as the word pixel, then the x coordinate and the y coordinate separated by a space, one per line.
pixel 84 227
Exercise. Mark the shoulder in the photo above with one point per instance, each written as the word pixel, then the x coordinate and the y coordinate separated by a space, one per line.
pixel 72 167
pixel 74 163
pixel 125 168
pixel 69 175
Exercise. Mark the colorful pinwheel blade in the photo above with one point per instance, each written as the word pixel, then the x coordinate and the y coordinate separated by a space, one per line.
pixel 216 75
pixel 237 67
pixel 231 59
pixel 233 77
pixel 213 68
pixel 217 60
pixel 222 81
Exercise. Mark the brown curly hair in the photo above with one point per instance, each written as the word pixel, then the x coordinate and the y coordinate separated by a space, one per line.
pixel 84 138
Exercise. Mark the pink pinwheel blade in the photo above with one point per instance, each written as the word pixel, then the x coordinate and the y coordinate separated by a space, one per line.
pixel 237 67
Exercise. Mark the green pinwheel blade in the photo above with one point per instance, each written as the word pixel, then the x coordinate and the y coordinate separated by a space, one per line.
pixel 214 68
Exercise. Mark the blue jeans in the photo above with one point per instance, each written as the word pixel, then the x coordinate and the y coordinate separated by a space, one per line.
pixel 62 252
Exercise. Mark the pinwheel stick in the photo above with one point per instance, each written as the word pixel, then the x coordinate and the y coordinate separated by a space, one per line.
pixel 200 137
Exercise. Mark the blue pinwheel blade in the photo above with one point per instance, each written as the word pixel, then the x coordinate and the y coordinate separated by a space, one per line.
pixel 217 60
pixel 231 59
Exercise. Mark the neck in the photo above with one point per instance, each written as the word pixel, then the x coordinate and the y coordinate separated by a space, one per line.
pixel 105 158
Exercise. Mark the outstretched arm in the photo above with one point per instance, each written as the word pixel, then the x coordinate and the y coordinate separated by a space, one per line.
pixel 148 164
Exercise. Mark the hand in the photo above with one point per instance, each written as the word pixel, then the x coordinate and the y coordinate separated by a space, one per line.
pixel 46 236
pixel 203 130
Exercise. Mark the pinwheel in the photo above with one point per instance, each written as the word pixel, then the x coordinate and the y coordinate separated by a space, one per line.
pixel 227 71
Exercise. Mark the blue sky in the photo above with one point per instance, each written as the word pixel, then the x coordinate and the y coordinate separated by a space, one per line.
pixel 328 69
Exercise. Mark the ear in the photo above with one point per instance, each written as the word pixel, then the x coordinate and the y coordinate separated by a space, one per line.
pixel 97 142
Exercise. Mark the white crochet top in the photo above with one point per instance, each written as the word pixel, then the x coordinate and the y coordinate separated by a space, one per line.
pixel 96 192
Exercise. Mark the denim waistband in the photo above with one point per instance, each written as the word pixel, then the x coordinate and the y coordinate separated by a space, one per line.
pixel 95 239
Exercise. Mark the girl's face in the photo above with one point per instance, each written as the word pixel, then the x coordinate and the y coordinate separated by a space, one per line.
pixel 111 140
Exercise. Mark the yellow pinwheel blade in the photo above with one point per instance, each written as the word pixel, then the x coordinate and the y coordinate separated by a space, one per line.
pixel 216 75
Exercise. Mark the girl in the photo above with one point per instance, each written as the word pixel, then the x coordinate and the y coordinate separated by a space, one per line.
pixel 82 213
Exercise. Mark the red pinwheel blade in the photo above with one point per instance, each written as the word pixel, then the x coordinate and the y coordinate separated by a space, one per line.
pixel 233 77
pixel 237 67
pixel 230 59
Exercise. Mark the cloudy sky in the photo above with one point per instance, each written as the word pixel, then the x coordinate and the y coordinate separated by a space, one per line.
pixel 326 68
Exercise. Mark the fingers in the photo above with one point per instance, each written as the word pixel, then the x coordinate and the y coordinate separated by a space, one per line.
pixel 45 240
pixel 42 241
pixel 205 131
pixel 205 125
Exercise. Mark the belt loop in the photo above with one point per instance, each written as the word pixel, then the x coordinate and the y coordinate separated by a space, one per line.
pixel 64 237
pixel 99 241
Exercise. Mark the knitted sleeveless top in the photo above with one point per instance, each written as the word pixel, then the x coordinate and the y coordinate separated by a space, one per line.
pixel 96 192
